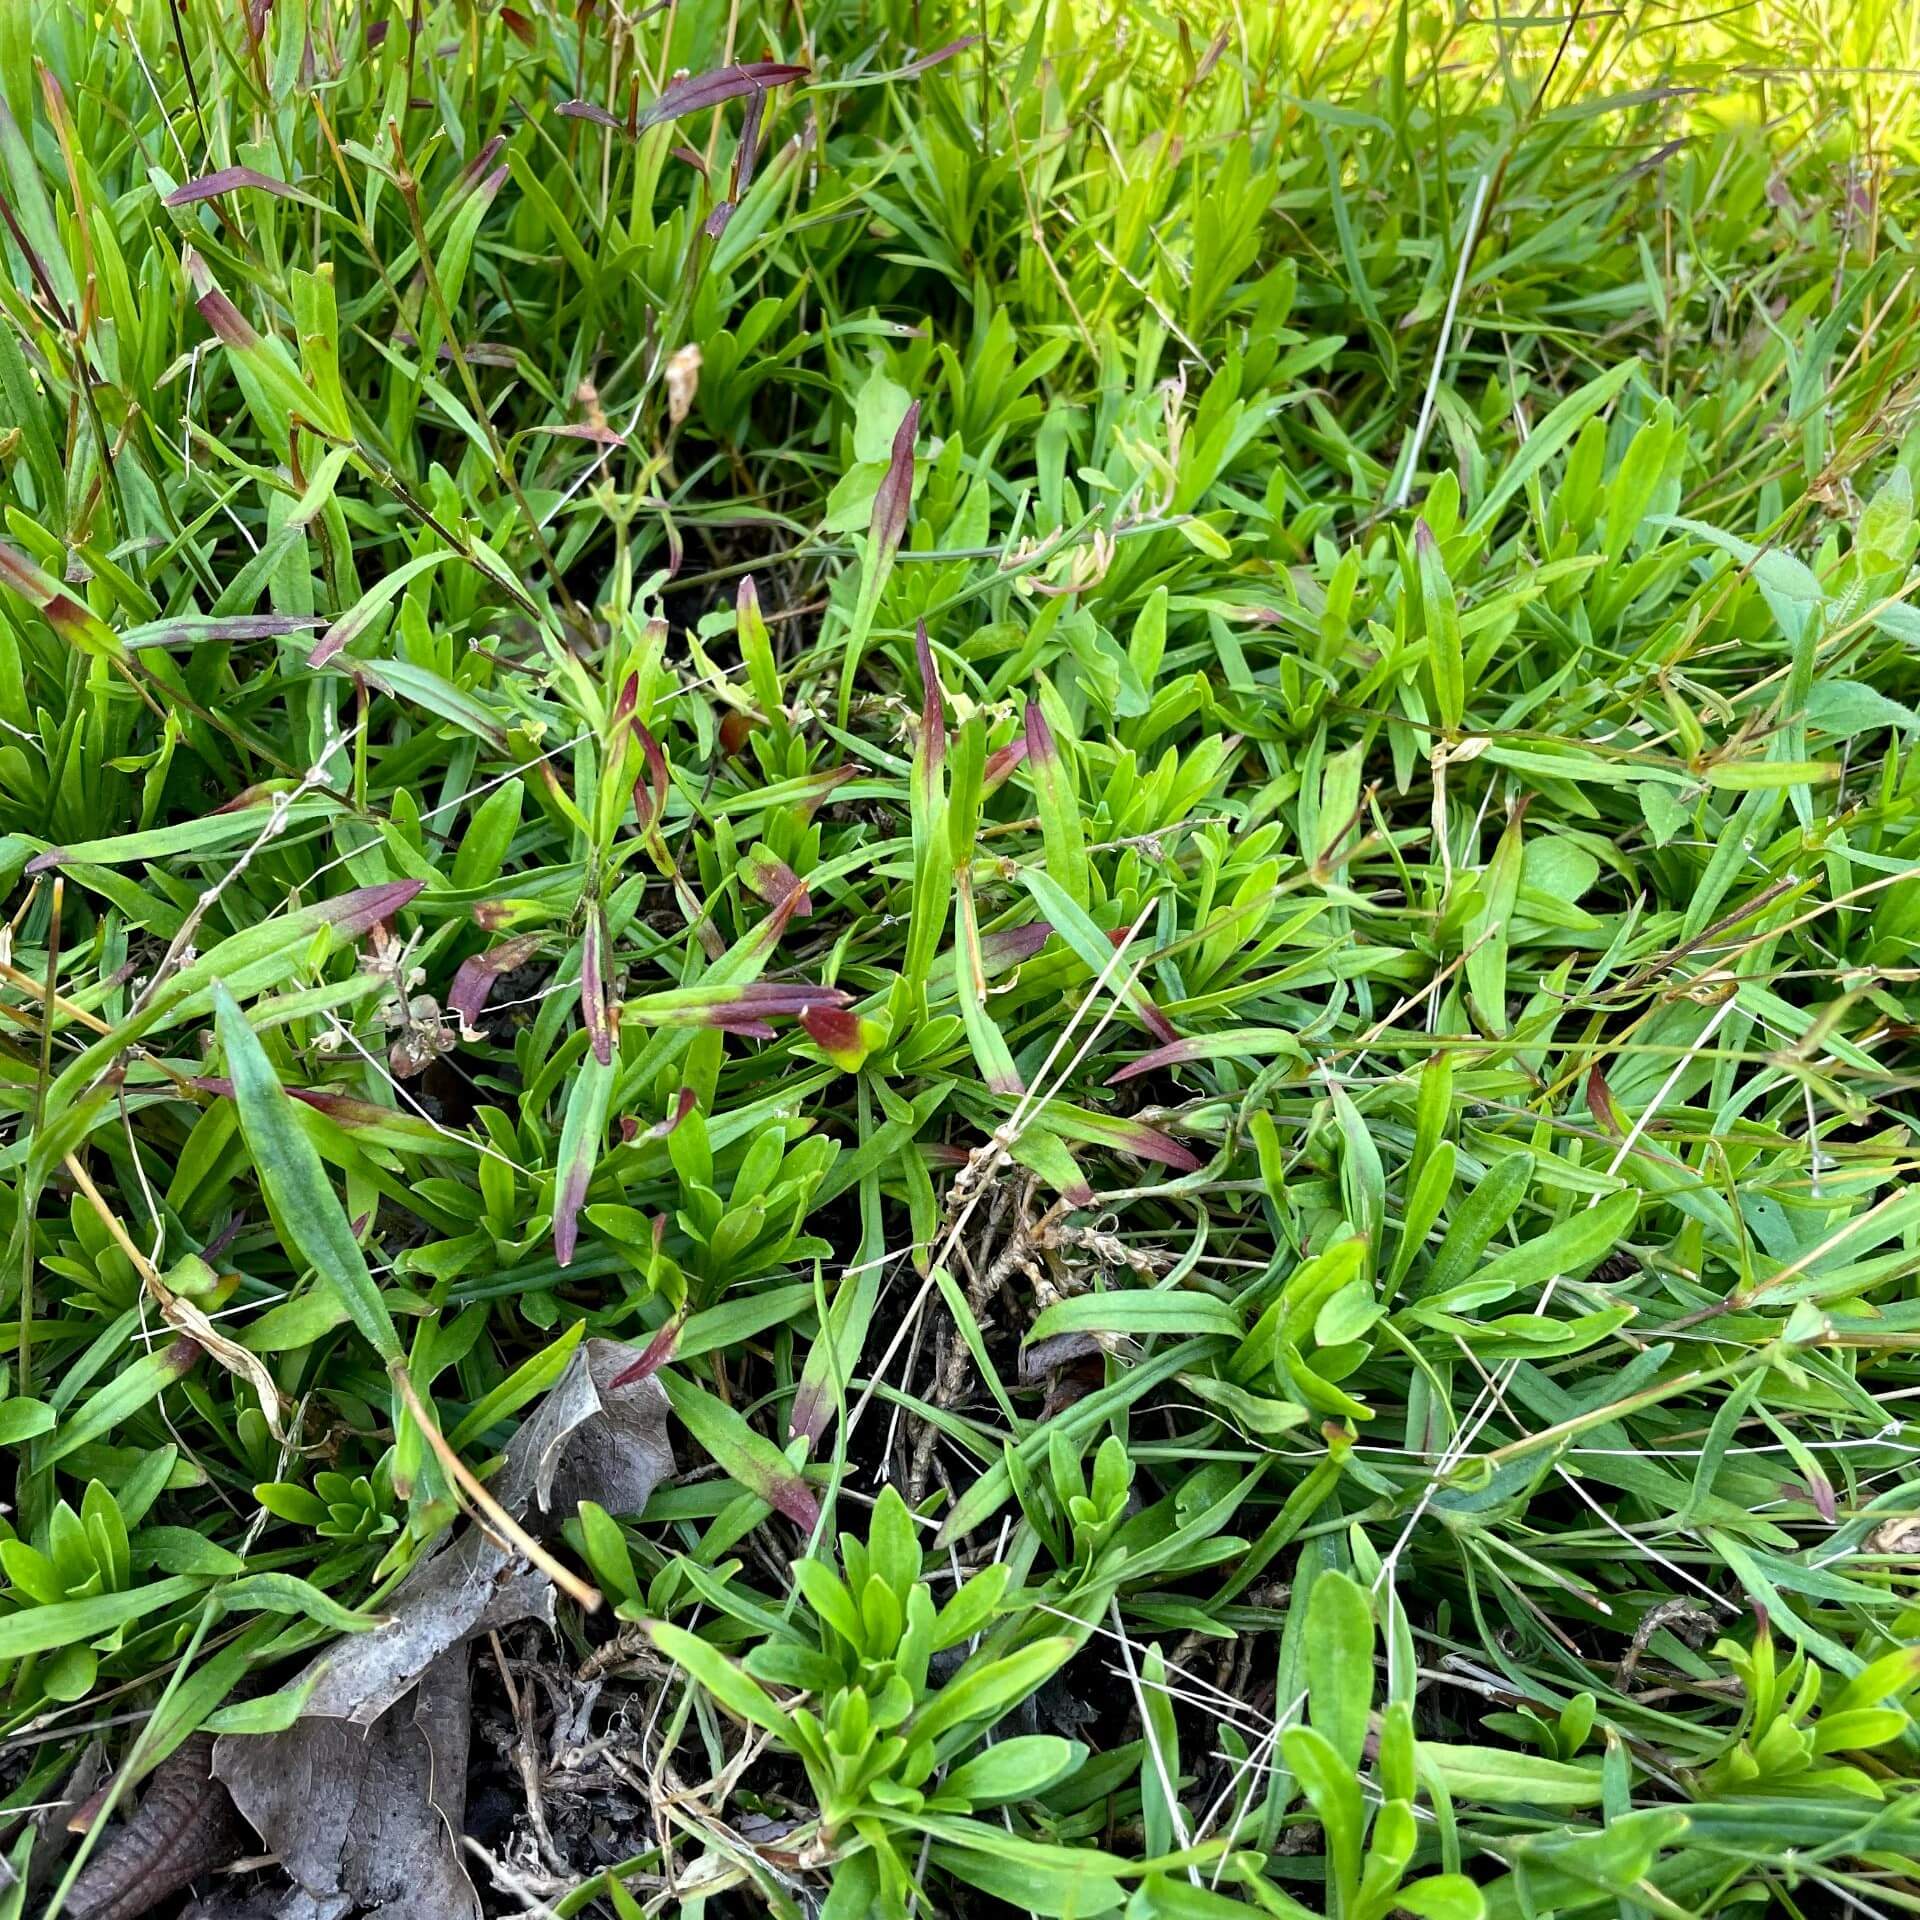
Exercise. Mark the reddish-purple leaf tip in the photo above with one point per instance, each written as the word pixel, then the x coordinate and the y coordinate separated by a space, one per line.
pixel 594 1010
pixel 1041 749
pixel 659 1350
pixel 893 499
pixel 230 327
pixel 365 907
pixel 933 718
pixel 1175 1053
pixel 650 791
pixel 773 881
pixel 210 186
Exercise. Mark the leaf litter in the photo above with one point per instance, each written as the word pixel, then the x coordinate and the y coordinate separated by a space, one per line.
pixel 363 1798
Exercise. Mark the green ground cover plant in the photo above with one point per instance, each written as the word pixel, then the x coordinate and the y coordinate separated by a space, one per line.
pixel 975 946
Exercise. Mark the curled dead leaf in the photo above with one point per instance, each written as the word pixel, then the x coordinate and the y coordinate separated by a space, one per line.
pixel 363 1797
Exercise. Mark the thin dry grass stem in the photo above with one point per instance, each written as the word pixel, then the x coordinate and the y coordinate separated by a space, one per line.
pixel 491 1514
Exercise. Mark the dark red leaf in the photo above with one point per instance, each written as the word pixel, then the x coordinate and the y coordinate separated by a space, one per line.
pixel 747 153
pixel 659 1350
pixel 683 1104
pixel 832 1029
pixel 593 986
pixel 586 110
pixel 724 83
pixel 691 94
pixel 1011 945
pixel 1002 761
pixel 476 978
pixel 746 1011
pixel 356 912
pixel 227 180
pixel 650 792
pixel 894 497
pixel 477 168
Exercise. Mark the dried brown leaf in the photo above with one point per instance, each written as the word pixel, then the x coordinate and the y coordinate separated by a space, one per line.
pixel 367 1818
pixel 361 1798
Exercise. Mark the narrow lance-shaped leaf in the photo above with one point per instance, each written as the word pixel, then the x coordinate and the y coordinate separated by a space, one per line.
pixel 273 385
pixel 724 83
pixel 1124 1135
pixel 1548 437
pixel 193 629
pixel 1007 947
pixel 966 769
pixel 1441 614
pixel 986 1686
pixel 684 1103
pixel 932 860
pixel 756 651
pixel 594 1011
pixel 416 685
pixel 1096 949
pixel 592 113
pixel 1060 831
pixel 747 153
pixel 295 1181
pixel 914 68
pixel 989 1044
pixel 371 605
pixel 731 1685
pixel 660 1349
pixel 1040 1149
pixel 1240 1043
pixel 892 502
pixel 210 186
pixel 1487 931
pixel 743 1453
pixel 999 953
pixel 831 1360
pixel 478 975
pixel 610 796
pixel 581 1134
pixel 691 94
pixel 740 965
pixel 742 1009
pixel 1001 763
pixel 32 224
pixel 650 790
pixel 367 1122
pixel 480 169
